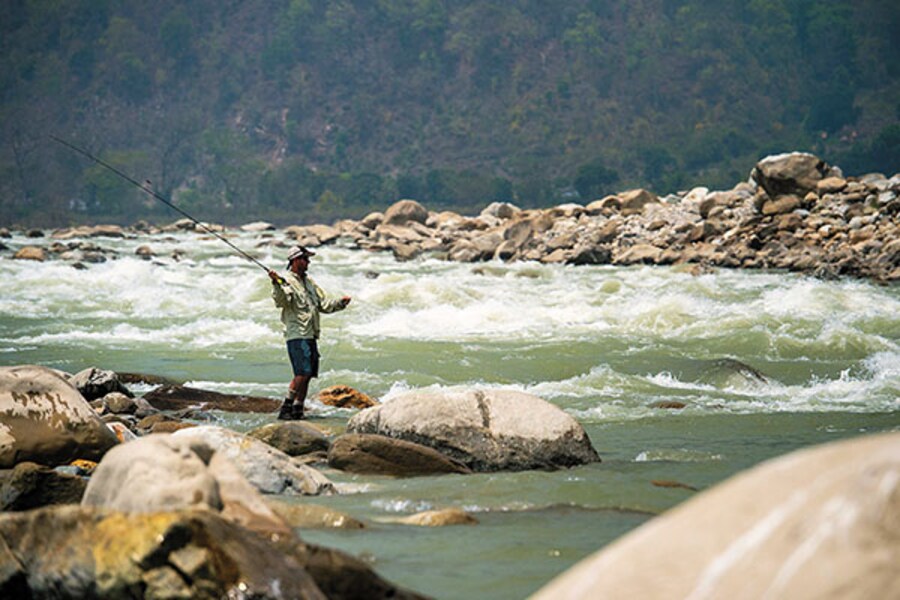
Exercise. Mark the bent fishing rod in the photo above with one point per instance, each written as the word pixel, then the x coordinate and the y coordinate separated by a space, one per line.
pixel 153 193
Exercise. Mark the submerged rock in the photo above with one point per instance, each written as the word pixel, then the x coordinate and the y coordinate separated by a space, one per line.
pixel 369 453
pixel 180 397
pixel 817 523
pixel 484 430
pixel 439 518
pixel 312 516
pixel 44 419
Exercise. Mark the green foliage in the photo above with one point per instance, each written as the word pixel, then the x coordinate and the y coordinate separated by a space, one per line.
pixel 886 148
pixel 594 180
pixel 263 107
pixel 105 193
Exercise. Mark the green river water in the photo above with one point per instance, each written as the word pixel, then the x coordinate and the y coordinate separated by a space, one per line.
pixel 764 363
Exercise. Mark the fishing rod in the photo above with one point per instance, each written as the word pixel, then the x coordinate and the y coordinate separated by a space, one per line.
pixel 153 193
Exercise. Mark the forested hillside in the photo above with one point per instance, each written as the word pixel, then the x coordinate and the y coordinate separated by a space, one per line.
pixel 303 110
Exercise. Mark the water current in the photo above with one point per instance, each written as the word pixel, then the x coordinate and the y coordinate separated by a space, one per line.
pixel 764 363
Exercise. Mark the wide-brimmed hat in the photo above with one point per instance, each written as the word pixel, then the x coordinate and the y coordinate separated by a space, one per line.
pixel 298 251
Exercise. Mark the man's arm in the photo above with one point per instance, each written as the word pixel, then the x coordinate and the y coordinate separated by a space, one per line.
pixel 328 304
pixel 280 297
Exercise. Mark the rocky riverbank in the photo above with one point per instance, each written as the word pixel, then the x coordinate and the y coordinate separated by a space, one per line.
pixel 795 213
pixel 200 513
pixel 166 506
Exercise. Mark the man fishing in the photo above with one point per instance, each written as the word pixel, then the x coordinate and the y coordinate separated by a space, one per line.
pixel 301 301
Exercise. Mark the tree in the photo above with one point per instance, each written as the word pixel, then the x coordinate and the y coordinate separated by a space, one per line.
pixel 593 179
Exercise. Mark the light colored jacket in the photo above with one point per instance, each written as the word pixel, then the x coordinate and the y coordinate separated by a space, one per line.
pixel 301 301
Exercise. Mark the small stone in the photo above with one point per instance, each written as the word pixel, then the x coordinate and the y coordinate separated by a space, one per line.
pixel 344 396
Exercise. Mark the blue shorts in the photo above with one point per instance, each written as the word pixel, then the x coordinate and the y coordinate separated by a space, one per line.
pixel 304 355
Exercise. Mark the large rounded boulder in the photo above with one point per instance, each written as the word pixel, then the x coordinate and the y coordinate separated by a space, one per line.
pixel 405 212
pixel 270 470
pixel 485 430
pixel 44 419
pixel 822 523
pixel 160 472
pixel 793 173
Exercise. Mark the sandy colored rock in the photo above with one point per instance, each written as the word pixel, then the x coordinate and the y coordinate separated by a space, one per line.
pixel 439 518
pixel 634 201
pixel 344 396
pixel 404 211
pixel 487 430
pixel 270 470
pixel 823 522
pixel 31 253
pixel 294 438
pixel 313 516
pixel 44 419
pixel 791 173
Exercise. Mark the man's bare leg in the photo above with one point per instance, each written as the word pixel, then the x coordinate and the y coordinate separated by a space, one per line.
pixel 297 393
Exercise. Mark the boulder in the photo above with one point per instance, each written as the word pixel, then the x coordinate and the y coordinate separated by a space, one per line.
pixel 184 554
pixel 96 383
pixel 115 231
pixel 489 430
pixel 312 516
pixel 154 473
pixel 160 472
pixel 31 253
pixel 404 211
pixel 44 419
pixel 831 185
pixel 313 235
pixel 781 205
pixel 634 201
pixel 589 254
pixel 270 470
pixel 180 397
pixel 118 403
pixel 344 396
pixel 639 253
pixel 294 438
pixel 817 523
pixel 379 454
pixel 29 485
pixel 500 210
pixel 794 173
pixel 439 518
pixel 519 232
pixel 257 227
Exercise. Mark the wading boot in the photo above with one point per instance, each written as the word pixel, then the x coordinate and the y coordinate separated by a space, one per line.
pixel 286 412
pixel 297 411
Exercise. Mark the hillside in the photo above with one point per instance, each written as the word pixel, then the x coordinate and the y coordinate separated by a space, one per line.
pixel 303 110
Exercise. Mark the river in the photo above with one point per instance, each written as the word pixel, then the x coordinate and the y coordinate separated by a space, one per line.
pixel 764 363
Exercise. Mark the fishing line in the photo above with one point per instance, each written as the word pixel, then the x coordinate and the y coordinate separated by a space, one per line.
pixel 154 194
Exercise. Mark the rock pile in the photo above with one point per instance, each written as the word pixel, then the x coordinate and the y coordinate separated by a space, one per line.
pixel 795 213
